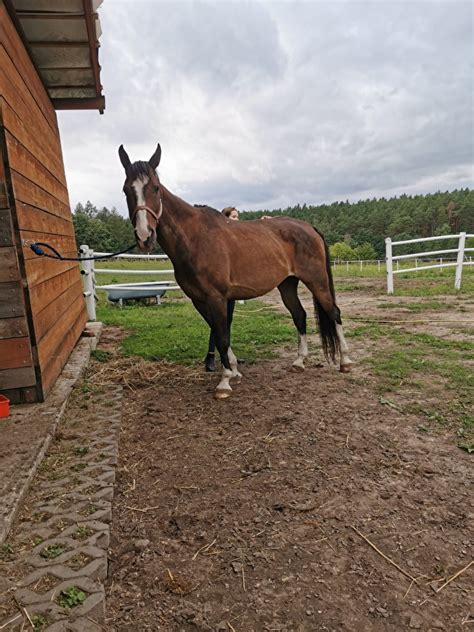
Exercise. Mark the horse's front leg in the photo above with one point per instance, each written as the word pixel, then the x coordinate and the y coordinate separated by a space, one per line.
pixel 215 313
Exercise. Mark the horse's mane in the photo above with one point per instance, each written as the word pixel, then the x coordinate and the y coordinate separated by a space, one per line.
pixel 205 207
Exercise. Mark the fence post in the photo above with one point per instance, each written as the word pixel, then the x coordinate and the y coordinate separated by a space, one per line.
pixel 389 264
pixel 460 259
pixel 378 265
pixel 87 272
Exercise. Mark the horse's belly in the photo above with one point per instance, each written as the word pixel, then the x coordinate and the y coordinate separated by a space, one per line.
pixel 257 284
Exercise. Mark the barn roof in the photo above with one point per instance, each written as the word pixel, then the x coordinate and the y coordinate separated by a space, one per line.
pixel 63 39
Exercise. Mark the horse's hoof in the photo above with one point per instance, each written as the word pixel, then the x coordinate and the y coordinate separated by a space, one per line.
pixel 297 368
pixel 236 379
pixel 222 393
pixel 345 368
pixel 210 364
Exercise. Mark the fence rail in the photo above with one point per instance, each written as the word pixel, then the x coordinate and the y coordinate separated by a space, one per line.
pixel 460 251
pixel 88 271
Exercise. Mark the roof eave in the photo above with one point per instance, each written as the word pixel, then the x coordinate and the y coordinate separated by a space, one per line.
pixel 96 103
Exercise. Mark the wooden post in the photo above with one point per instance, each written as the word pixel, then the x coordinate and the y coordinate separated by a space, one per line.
pixel 87 272
pixel 389 264
pixel 460 260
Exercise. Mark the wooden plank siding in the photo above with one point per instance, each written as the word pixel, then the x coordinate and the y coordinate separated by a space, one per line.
pixel 15 353
pixel 10 378
pixel 13 44
pixel 43 294
pixel 8 265
pixel 42 311
pixel 33 219
pixel 33 195
pixel 13 328
pixel 3 191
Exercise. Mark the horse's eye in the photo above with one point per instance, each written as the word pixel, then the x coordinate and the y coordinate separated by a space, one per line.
pixel 156 189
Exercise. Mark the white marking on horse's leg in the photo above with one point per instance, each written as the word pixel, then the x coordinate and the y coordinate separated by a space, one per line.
pixel 302 352
pixel 344 349
pixel 233 364
pixel 224 389
pixel 141 218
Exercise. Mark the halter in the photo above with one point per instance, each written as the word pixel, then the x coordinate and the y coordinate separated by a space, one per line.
pixel 148 210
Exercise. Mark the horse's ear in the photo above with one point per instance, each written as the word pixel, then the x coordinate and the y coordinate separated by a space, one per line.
pixel 155 159
pixel 124 159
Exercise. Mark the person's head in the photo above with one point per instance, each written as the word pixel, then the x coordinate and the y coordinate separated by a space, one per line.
pixel 231 212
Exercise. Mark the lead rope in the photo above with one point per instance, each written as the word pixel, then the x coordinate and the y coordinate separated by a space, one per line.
pixel 38 250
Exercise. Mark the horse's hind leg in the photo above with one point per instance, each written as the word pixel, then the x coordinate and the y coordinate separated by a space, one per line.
pixel 232 357
pixel 289 294
pixel 345 361
pixel 330 325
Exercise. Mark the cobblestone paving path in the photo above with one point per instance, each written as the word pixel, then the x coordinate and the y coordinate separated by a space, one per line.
pixel 55 559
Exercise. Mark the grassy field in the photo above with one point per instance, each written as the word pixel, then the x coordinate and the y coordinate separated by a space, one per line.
pixel 174 331
pixel 123 264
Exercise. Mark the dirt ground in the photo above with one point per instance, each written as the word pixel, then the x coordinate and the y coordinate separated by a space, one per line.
pixel 251 514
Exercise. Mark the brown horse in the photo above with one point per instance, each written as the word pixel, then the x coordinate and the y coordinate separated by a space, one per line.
pixel 217 260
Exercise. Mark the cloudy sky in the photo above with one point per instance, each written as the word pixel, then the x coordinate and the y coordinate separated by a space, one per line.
pixel 264 104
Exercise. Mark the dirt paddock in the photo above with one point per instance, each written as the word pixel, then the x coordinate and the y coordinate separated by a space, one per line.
pixel 251 514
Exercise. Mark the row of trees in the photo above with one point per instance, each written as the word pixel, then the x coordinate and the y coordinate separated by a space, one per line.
pixel 371 221
pixel 355 230
pixel 102 229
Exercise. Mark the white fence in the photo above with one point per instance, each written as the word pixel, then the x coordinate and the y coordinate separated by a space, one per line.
pixel 460 252
pixel 89 269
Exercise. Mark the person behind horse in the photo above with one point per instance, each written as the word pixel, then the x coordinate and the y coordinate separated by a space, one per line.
pixel 209 362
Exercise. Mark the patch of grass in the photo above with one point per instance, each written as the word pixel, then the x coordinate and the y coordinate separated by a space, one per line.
pixel 177 333
pixel 71 597
pixel 87 388
pixel 81 450
pixel 82 533
pixel 6 550
pixel 415 307
pixel 353 269
pixel 78 467
pixel 348 287
pixel 406 354
pixel 52 551
pixel 406 286
pixel 100 355
pixel 374 331
pixel 39 622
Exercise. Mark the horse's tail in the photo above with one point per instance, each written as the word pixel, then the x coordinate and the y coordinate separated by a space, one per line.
pixel 327 320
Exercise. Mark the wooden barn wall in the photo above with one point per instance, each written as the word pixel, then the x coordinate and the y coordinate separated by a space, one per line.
pixel 35 203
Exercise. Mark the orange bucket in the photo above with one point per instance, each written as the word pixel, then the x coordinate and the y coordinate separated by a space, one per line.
pixel 4 406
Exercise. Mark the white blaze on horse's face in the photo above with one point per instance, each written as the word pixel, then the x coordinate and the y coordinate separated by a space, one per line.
pixel 141 219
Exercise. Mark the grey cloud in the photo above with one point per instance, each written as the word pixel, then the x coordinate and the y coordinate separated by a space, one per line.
pixel 260 104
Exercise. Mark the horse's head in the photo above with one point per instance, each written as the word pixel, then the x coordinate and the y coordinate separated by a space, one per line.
pixel 142 189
